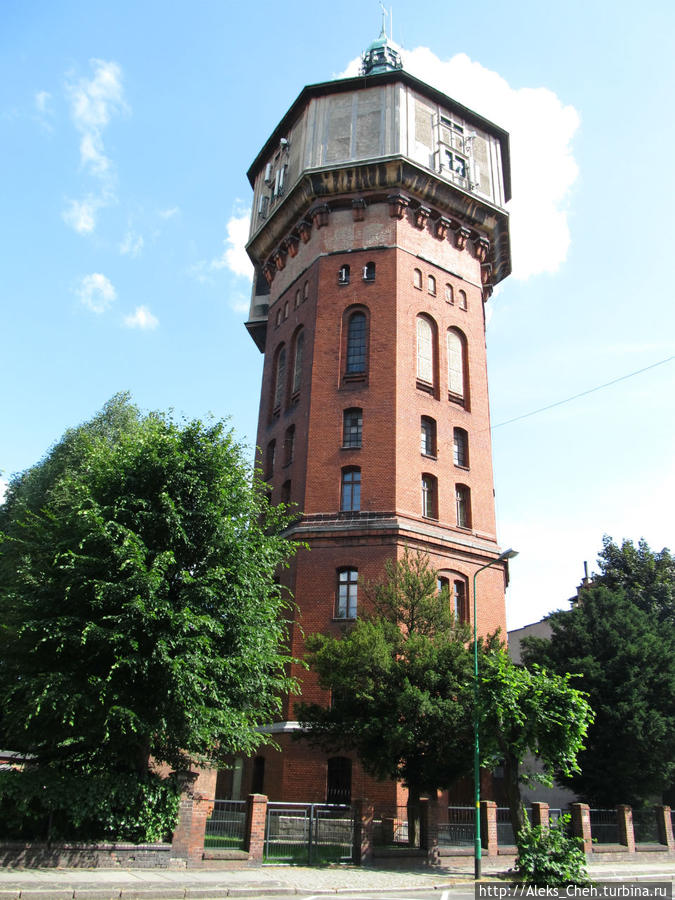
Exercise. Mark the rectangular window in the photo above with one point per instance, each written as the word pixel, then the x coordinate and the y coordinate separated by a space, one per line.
pixel 425 368
pixel 352 426
pixel 347 594
pixel 428 437
pixel 356 344
pixel 351 490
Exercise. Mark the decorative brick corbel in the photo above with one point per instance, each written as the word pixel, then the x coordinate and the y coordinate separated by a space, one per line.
pixel 279 258
pixel 462 235
pixel 305 230
pixel 441 227
pixel 397 205
pixel 269 271
pixel 291 244
pixel 358 209
pixel 481 246
pixel 487 292
pixel 421 215
pixel 319 215
pixel 486 273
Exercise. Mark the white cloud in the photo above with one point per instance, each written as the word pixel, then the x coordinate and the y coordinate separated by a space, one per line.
pixel 96 292
pixel 141 318
pixel 169 213
pixel 42 99
pixel 132 245
pixel 543 167
pixel 81 214
pixel 93 102
pixel 234 256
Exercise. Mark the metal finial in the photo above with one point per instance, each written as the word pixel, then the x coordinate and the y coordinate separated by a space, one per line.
pixel 383 33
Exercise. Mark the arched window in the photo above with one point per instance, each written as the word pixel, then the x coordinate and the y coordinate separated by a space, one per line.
pixel 462 300
pixel 350 497
pixel 431 285
pixel 459 601
pixel 429 497
pixel 343 274
pixel 449 295
pixel 285 310
pixel 347 593
pixel 297 298
pixel 352 425
pixel 289 445
pixel 279 378
pixel 460 447
pixel 356 344
pixel 425 350
pixel 417 279
pixel 456 365
pixel 463 503
pixel 369 271
pixel 269 459
pixel 339 780
pixel 278 319
pixel 297 361
pixel 305 291
pixel 428 436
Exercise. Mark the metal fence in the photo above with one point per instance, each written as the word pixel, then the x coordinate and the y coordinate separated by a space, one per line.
pixel 604 826
pixel 308 833
pixel 226 826
pixel 391 829
pixel 645 828
pixel 459 830
pixel 505 836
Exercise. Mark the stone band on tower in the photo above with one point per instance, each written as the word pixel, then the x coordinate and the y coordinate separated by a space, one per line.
pixel 378 231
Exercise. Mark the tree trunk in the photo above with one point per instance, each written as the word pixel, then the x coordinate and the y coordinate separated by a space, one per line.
pixel 413 815
pixel 513 796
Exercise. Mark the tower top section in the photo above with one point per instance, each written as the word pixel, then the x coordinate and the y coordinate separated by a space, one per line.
pixel 381 56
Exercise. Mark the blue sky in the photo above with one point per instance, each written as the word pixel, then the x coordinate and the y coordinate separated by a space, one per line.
pixel 126 131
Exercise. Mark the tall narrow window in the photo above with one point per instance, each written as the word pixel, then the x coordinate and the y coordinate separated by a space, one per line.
pixel 347 594
pixel 429 497
pixel 417 279
pixel 369 271
pixel 356 344
pixel 343 274
pixel 459 600
pixel 456 364
pixel 280 378
pixel 425 354
pixel 460 447
pixel 428 436
pixel 297 298
pixel 463 502
pixel 462 300
pixel 289 445
pixel 258 777
pixel 297 361
pixel 449 296
pixel 352 425
pixel 350 500
pixel 269 459
pixel 431 285
pixel 305 291
pixel 286 492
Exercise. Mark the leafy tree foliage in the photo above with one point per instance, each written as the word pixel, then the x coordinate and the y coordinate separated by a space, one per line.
pixel 646 577
pixel 627 660
pixel 529 712
pixel 399 679
pixel 551 855
pixel 139 614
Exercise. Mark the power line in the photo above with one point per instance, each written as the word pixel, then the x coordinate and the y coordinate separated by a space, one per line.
pixel 583 393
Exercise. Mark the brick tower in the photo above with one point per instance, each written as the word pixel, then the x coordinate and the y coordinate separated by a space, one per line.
pixel 378 230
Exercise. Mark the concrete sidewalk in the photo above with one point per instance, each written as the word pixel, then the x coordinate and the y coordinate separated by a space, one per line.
pixel 163 884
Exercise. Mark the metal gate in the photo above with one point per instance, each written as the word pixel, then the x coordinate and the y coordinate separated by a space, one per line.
pixel 308 833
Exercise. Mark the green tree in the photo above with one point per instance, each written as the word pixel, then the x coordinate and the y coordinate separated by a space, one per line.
pixel 139 613
pixel 627 659
pixel 527 712
pixel 400 681
pixel 646 577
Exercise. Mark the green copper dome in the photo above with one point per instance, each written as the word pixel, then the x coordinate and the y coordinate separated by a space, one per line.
pixel 381 56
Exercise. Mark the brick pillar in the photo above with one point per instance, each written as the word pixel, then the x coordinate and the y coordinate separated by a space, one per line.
pixel 664 823
pixel 581 824
pixel 196 805
pixel 256 818
pixel 429 829
pixel 540 814
pixel 362 850
pixel 488 827
pixel 624 819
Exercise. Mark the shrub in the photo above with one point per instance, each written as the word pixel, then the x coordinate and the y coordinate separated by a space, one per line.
pixel 551 855
pixel 57 804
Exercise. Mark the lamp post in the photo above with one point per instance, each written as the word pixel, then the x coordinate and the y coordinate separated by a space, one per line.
pixel 507 554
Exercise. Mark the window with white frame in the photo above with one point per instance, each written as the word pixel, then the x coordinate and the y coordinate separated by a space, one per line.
pixel 347 594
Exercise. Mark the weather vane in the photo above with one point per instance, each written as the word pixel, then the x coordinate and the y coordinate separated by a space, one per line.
pixel 384 27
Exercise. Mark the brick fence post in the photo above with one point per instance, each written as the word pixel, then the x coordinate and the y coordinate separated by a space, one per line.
pixel 429 829
pixel 540 814
pixel 664 823
pixel 256 818
pixel 624 819
pixel 488 827
pixel 581 824
pixel 180 842
pixel 362 850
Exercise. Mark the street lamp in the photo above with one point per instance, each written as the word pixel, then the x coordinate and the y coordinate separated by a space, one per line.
pixel 507 554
